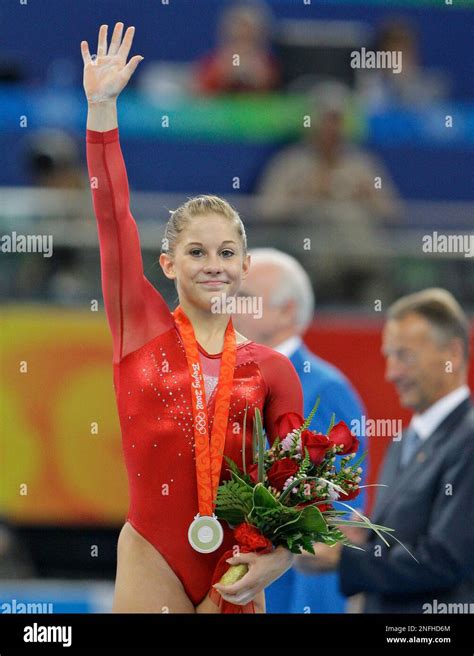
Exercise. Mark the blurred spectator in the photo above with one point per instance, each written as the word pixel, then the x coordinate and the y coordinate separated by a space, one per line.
pixel 242 60
pixel 53 160
pixel 324 168
pixel 414 85
pixel 338 193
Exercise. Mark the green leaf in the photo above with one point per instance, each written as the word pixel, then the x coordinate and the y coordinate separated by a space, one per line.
pixel 232 466
pixel 264 498
pixel 332 422
pixel 248 484
pixel 233 501
pixel 254 444
pixel 359 460
pixel 244 435
pixel 258 428
pixel 367 521
pixel 311 521
pixel 289 525
pixel 310 416
pixel 307 544
pixel 348 522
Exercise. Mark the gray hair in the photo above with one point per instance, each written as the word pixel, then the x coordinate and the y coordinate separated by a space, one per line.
pixel 440 309
pixel 294 283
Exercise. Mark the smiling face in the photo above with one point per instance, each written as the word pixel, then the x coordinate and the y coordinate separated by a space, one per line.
pixel 422 367
pixel 208 260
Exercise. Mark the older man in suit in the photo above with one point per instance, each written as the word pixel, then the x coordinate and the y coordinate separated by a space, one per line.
pixel 429 473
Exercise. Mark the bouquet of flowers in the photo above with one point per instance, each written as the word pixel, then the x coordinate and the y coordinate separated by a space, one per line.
pixel 287 496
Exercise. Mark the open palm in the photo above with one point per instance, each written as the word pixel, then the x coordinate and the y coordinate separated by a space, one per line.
pixel 106 75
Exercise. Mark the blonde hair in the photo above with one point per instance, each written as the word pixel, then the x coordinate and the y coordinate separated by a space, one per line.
pixel 199 206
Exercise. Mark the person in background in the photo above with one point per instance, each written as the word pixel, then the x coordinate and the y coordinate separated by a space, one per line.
pixel 324 169
pixel 242 60
pixel 288 305
pixel 428 473
pixel 341 194
pixel 415 85
pixel 52 160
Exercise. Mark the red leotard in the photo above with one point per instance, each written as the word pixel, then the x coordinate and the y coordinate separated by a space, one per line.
pixel 152 387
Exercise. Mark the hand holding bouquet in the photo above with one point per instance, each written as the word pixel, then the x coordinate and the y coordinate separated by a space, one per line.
pixel 287 496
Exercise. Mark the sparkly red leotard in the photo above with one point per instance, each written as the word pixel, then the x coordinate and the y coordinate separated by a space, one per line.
pixel 152 386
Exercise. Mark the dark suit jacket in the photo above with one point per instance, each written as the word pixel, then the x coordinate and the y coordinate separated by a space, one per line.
pixel 430 504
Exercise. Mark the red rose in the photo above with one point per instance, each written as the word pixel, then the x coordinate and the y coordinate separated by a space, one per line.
pixel 340 435
pixel 252 471
pixel 249 536
pixel 325 506
pixel 322 507
pixel 350 494
pixel 287 423
pixel 317 445
pixel 280 471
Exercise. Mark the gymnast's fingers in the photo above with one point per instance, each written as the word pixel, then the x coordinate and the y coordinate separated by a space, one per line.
pixel 102 41
pixel 86 55
pixel 126 43
pixel 116 39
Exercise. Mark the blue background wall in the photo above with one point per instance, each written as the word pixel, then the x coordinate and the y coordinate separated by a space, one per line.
pixel 41 32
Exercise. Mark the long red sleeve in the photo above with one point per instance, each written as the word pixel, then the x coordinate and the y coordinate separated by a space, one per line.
pixel 284 389
pixel 135 310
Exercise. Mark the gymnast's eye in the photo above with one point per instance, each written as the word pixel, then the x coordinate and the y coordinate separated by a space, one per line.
pixel 227 253
pixel 195 251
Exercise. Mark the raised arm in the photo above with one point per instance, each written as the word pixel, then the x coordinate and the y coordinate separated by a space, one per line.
pixel 135 310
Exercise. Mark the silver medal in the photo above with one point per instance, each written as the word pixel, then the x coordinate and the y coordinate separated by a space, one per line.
pixel 205 533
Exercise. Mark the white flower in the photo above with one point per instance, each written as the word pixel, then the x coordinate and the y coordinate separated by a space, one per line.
pixel 288 482
pixel 289 441
pixel 332 494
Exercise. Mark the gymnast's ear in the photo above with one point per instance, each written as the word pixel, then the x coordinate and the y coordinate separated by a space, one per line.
pixel 246 266
pixel 167 264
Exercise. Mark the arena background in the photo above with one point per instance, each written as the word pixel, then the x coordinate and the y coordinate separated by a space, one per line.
pixel 76 485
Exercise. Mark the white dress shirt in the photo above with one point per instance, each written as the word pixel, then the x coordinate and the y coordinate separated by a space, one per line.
pixel 428 421
pixel 289 346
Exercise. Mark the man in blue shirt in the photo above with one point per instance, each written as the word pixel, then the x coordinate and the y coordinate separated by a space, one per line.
pixel 284 289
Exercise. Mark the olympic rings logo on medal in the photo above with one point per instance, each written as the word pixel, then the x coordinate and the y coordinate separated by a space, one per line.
pixel 200 423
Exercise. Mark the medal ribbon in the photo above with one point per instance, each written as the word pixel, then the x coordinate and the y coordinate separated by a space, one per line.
pixel 209 453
